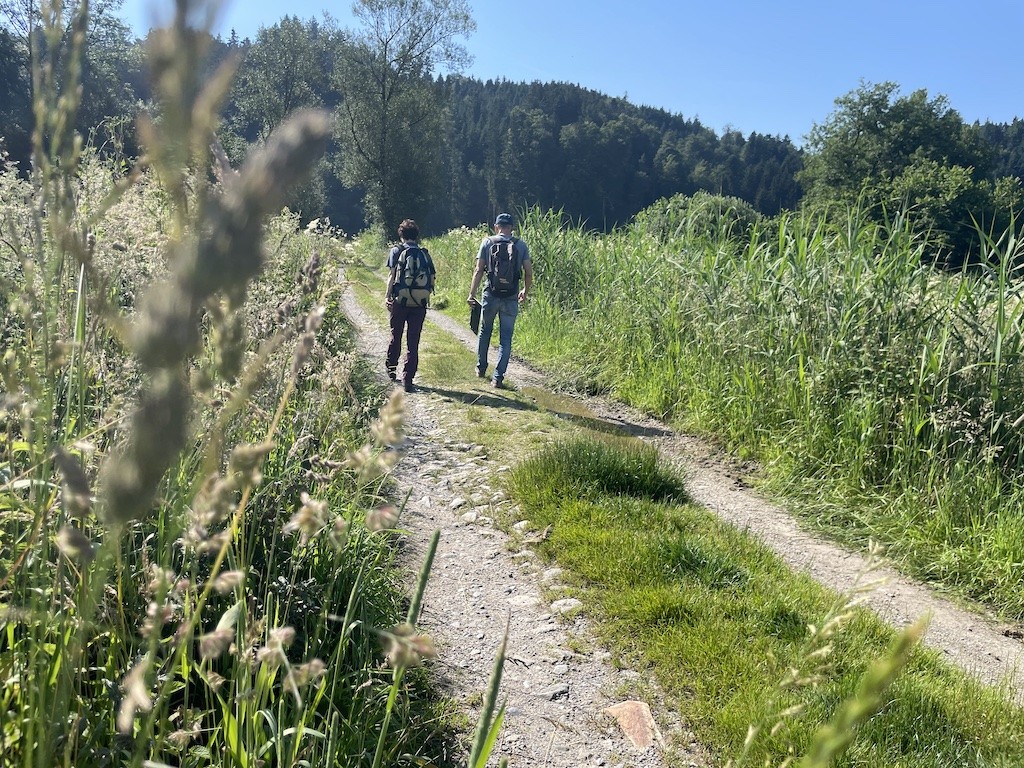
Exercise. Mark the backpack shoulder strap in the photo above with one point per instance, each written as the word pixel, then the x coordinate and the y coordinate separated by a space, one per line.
pixel 405 267
pixel 499 240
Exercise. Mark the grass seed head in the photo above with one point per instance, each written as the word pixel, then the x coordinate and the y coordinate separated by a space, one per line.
pixel 129 478
pixel 215 501
pixel 305 345
pixel 387 429
pixel 338 535
pixel 213 644
pixel 382 518
pixel 245 462
pixel 75 492
pixel 136 696
pixel 309 275
pixel 303 675
pixel 369 465
pixel 310 518
pixel 228 581
pixel 157 616
pixel 273 653
pixel 405 647
pixel 75 545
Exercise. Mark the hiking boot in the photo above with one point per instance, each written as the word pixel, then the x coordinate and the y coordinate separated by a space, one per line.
pixel 409 386
pixel 392 375
pixel 497 384
pixel 481 373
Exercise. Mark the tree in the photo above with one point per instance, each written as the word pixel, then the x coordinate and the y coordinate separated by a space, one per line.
pixel 873 136
pixel 287 67
pixel 15 105
pixel 19 16
pixel 111 65
pixel 581 187
pixel 112 69
pixel 391 111
pixel 529 160
pixel 911 154
pixel 1007 141
pixel 948 203
pixel 939 199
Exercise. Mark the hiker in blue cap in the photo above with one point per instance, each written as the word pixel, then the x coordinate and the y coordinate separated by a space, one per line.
pixel 506 262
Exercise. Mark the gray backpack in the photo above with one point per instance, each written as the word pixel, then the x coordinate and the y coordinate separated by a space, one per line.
pixel 414 280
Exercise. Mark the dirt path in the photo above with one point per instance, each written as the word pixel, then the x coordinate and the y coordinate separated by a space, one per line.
pixel 556 680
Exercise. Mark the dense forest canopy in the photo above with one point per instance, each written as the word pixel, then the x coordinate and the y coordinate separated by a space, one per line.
pixel 415 137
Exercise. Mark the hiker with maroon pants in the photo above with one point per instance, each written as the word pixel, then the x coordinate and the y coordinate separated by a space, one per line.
pixel 406 296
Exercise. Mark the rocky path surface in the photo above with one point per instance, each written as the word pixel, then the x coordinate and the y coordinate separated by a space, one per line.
pixel 566 704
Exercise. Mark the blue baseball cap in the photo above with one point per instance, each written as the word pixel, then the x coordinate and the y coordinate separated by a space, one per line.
pixel 503 220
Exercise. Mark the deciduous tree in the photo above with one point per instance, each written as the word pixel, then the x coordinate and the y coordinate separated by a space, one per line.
pixel 287 67
pixel 913 154
pixel 874 134
pixel 391 113
pixel 110 68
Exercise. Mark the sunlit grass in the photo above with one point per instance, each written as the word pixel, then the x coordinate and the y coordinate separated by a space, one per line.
pixel 714 617
pixel 719 621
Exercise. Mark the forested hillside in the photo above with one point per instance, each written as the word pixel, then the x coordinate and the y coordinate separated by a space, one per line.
pixel 597 158
pixel 503 144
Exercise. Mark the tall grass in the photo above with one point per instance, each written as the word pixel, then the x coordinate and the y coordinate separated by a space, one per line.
pixel 195 556
pixel 885 394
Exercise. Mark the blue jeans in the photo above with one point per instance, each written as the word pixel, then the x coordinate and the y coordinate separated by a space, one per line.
pixel 505 309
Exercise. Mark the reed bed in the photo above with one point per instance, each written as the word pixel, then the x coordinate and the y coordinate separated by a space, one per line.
pixel 882 395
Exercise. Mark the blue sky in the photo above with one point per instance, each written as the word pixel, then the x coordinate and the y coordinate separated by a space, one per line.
pixel 770 67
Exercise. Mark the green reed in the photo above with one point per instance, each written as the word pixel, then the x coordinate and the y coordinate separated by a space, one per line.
pixel 883 392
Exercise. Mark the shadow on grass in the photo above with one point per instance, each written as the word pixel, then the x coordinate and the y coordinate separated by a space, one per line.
pixel 568 410
pixel 576 412
pixel 610 427
pixel 490 398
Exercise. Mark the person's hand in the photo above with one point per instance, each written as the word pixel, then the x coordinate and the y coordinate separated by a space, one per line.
pixel 472 300
pixel 389 303
pixel 522 295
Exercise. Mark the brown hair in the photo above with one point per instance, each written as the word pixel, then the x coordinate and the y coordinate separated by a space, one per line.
pixel 408 230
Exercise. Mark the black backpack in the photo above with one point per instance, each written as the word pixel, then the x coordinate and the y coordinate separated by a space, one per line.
pixel 414 280
pixel 503 268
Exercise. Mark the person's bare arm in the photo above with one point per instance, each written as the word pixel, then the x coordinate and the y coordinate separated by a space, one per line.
pixel 387 290
pixel 527 280
pixel 478 275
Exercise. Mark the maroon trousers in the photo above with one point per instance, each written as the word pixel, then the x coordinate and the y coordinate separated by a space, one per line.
pixel 408 320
